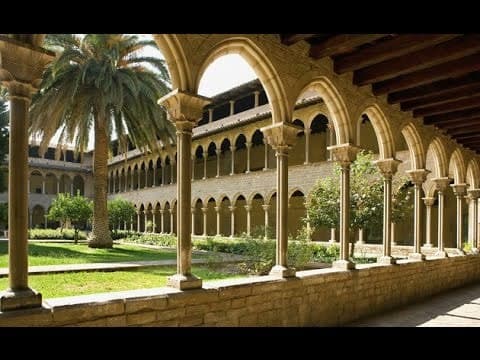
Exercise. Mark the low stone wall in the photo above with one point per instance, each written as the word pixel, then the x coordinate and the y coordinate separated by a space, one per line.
pixel 315 297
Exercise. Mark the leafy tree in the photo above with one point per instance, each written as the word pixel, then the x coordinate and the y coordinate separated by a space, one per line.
pixel 120 211
pixel 366 197
pixel 76 209
pixel 102 82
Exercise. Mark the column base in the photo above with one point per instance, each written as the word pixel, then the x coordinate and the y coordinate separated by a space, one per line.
pixel 184 282
pixel 416 257
pixel 343 264
pixel 427 245
pixel 282 271
pixel 441 254
pixel 306 162
pixel 358 242
pixel 386 260
pixel 332 241
pixel 460 252
pixel 394 243
pixel 19 299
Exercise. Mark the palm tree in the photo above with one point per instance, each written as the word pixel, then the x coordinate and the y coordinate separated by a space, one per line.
pixel 101 81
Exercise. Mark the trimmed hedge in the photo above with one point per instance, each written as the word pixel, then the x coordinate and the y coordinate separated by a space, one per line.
pixel 56 234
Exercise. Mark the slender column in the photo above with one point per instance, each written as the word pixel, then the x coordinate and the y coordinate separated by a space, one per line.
pixel 131 181
pixel 248 208
pixel 307 133
pixel 217 210
pixel 174 171
pixel 392 234
pixel 474 194
pixel 309 228
pixel 154 176
pixel 71 189
pixel 266 208
pixel 205 156
pixel 210 115
pixel 232 150
pixel 193 167
pixel 429 201
pixel 193 220
pixel 330 140
pixel 163 174
pixel 171 211
pixel 345 154
pixel 162 221
pixel 124 226
pixel 232 107
pixel 256 99
pixel 139 178
pixel 146 176
pixel 218 152
pixel 154 221
pixel 58 187
pixel 333 237
pixel 28 185
pixel 204 211
pixel 26 65
pixel 418 177
pixel 232 220
pixel 249 146
pixel 145 219
pixel 43 184
pixel 388 168
pixel 184 110
pixel 131 223
pixel 266 155
pixel 281 136
pixel 441 186
pixel 459 190
pixel 361 238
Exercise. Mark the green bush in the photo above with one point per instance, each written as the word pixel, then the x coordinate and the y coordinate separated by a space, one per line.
pixel 153 239
pixel 56 234
pixel 258 232
pixel 325 254
pixel 123 234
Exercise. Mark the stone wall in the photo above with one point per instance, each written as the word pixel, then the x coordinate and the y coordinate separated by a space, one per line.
pixel 322 297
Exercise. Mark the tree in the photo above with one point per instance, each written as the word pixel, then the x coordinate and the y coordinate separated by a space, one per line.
pixel 4 114
pixel 101 81
pixel 366 198
pixel 120 211
pixel 76 209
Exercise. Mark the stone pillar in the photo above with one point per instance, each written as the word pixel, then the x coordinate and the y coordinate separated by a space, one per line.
pixel 163 174
pixel 393 234
pixel 28 185
pixel 174 171
pixel 333 237
pixel 43 185
pixel 145 219
pixel 193 220
pixel 217 211
pixel 131 180
pixel 441 185
pixel 249 146
pixel 474 194
pixel 266 208
pixel 429 201
pixel 248 208
pixel 417 177
pixel 204 211
pixel 146 176
pixel 71 188
pixel 184 110
pixel 58 187
pixel 307 145
pixel 154 221
pixel 232 220
pixel 138 221
pixel 266 155
pixel 281 136
pixel 154 176
pixel 162 221
pixel 388 168
pixel 345 154
pixel 131 223
pixel 232 150
pixel 210 115
pixel 459 190
pixel 232 107
pixel 361 238
pixel 205 157
pixel 331 130
pixel 171 211
pixel 20 67
pixel 139 178
pixel 218 152
pixel 256 99
pixel 193 167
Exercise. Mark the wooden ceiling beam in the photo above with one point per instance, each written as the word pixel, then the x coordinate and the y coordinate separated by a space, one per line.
pixel 290 39
pixel 388 49
pixel 465 130
pixel 341 43
pixel 454 116
pixel 457 48
pixel 447 70
pixel 468 103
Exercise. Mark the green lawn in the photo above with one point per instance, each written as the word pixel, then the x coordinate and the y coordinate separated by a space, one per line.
pixel 81 283
pixel 55 254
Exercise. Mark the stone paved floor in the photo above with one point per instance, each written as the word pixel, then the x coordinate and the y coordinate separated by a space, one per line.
pixel 460 307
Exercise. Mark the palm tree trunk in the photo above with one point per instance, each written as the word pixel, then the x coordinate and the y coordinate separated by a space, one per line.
pixel 100 237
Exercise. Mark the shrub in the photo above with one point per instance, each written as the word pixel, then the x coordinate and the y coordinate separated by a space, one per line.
pixel 153 239
pixel 55 234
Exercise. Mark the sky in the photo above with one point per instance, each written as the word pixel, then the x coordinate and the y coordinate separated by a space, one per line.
pixel 222 74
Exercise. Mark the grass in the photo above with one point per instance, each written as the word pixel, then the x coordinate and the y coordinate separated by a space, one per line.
pixel 82 283
pixel 56 254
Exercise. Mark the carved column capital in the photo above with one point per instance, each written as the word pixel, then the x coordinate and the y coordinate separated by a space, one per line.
pixel 429 201
pixel 459 189
pixel 418 176
pixel 266 207
pixel 345 154
pixel 473 194
pixel 441 184
pixel 281 136
pixel 388 167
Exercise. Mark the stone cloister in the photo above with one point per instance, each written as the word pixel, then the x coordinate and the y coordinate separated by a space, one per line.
pixel 440 169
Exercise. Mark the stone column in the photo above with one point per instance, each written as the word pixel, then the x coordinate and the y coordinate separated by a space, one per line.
pixel 205 157
pixel 281 136
pixel 154 221
pixel 146 176
pixel 441 184
pixel 184 110
pixel 193 220
pixel 417 177
pixel 307 145
pixel 266 208
pixel 345 154
pixel 58 187
pixel 333 237
pixel 193 167
pixel 174 171
pixel 331 130
pixel 171 211
pixel 154 176
pixel 232 107
pixel 138 221
pixel 204 211
pixel 131 180
pixel 248 208
pixel 393 235
pixel 361 238
pixel 218 152
pixel 232 222
pixel 429 201
pixel 210 115
pixel 20 67
pixel 131 223
pixel 474 194
pixel 256 99
pixel 232 150
pixel 71 188
pixel 43 185
pixel 162 221
pixel 163 174
pixel 388 168
pixel 217 211
pixel 139 178
pixel 145 219
pixel 266 155
pixel 459 190
pixel 28 185
pixel 249 146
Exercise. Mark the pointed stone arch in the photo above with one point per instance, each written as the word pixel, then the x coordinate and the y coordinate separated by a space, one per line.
pixel 457 167
pixel 415 146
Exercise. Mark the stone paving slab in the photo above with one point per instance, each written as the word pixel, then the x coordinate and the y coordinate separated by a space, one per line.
pixel 459 307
